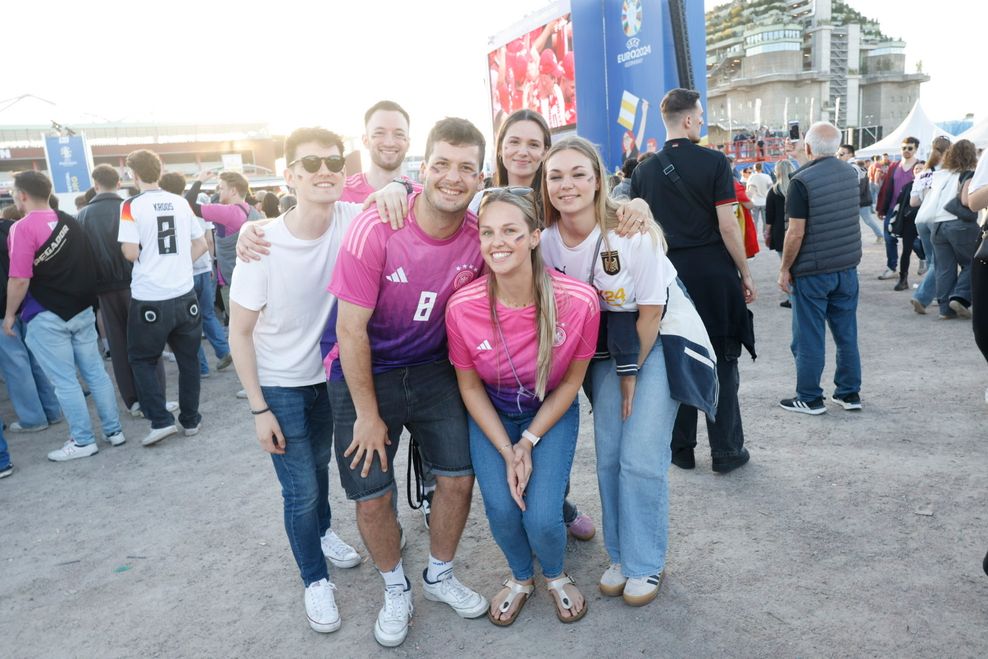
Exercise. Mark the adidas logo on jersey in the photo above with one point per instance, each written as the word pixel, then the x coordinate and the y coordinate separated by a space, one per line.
pixel 486 345
pixel 398 276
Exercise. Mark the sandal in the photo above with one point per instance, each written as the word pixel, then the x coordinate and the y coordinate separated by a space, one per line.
pixel 515 590
pixel 562 599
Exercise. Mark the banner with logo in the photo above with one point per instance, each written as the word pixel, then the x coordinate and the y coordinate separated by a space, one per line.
pixel 69 163
pixel 626 57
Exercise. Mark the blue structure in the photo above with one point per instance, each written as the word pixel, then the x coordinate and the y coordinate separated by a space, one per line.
pixel 628 54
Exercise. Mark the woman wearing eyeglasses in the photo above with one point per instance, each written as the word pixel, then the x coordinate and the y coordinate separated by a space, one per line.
pixel 521 339
pixel 633 408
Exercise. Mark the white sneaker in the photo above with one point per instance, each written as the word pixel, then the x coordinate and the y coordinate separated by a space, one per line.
pixel 116 439
pixel 391 627
pixel 17 427
pixel 338 552
pixel 888 274
pixel 466 603
pixel 169 356
pixel 135 411
pixel 189 432
pixel 642 590
pixel 320 607
pixel 71 451
pixel 158 434
pixel 612 581
pixel 242 394
pixel 171 406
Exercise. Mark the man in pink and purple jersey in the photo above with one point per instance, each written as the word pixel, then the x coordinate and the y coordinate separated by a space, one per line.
pixel 393 370
pixel 386 140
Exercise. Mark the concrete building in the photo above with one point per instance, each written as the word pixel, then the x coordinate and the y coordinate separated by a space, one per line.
pixel 774 61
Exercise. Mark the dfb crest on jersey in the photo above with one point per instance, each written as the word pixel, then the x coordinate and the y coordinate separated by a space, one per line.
pixel 611 262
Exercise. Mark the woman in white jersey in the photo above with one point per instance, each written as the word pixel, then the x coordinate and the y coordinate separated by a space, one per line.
pixel 633 409
pixel 521 338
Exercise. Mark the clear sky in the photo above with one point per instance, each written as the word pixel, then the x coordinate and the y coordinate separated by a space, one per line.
pixel 293 64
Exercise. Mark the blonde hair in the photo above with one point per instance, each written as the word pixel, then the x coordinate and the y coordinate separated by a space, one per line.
pixel 605 208
pixel 783 174
pixel 545 299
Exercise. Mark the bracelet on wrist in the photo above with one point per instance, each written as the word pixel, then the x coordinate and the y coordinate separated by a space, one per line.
pixel 257 412
pixel 531 437
pixel 508 445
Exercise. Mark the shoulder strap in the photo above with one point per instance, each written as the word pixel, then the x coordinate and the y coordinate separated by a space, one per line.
pixel 670 171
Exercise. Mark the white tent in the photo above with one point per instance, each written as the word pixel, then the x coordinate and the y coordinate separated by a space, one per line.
pixel 916 124
pixel 978 133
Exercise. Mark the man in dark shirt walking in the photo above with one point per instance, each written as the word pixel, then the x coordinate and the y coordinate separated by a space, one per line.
pixel 691 193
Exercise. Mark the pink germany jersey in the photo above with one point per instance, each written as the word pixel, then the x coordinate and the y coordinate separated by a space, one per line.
pixel 475 343
pixel 406 277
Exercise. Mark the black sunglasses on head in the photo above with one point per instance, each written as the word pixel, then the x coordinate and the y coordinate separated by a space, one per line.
pixel 313 164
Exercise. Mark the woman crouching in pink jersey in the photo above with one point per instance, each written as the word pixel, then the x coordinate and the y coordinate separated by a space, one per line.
pixel 521 339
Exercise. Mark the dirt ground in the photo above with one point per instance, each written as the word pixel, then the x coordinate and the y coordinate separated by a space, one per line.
pixel 848 534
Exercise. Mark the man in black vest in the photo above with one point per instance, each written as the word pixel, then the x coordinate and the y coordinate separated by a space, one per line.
pixel 820 258
pixel 690 190
pixel 52 273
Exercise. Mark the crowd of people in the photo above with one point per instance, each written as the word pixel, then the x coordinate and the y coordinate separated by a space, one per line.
pixel 361 306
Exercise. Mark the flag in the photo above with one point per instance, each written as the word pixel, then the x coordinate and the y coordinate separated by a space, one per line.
pixel 629 108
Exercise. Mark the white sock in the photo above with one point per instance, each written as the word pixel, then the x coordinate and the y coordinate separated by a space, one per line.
pixel 438 569
pixel 395 577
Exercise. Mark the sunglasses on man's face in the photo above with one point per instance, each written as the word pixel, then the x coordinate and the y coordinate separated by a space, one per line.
pixel 313 164
pixel 908 147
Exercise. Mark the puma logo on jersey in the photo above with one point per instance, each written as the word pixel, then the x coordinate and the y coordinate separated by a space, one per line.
pixel 486 345
pixel 398 276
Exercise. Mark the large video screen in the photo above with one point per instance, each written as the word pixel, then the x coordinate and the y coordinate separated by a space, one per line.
pixel 536 70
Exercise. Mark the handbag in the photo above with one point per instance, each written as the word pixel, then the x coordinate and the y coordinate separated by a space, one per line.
pixel 956 207
pixel 982 252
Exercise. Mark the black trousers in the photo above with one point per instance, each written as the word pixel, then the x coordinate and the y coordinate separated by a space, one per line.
pixel 115 307
pixel 979 304
pixel 151 325
pixel 726 434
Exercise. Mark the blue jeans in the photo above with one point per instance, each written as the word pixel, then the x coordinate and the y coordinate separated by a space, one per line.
pixel 539 529
pixel 29 390
pixel 954 242
pixel 928 287
pixel 306 421
pixel 4 454
pixel 633 458
pixel 205 286
pixel 61 347
pixel 819 300
pixel 869 219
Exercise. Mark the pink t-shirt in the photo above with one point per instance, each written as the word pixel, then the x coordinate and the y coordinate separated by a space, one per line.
pixel 357 189
pixel 26 237
pixel 228 217
pixel 406 277
pixel 475 343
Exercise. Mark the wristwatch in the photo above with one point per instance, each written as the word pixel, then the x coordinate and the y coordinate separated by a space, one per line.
pixel 533 438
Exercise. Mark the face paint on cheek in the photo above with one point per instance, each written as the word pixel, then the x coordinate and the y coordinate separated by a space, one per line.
pixel 518 239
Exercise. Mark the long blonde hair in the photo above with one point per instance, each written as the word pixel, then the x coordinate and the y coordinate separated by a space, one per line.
pixel 605 208
pixel 783 174
pixel 545 300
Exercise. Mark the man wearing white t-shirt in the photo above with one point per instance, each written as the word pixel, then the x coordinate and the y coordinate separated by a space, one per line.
pixel 757 189
pixel 159 234
pixel 279 307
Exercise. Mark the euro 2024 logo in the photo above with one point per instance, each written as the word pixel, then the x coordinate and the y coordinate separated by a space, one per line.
pixel 631 17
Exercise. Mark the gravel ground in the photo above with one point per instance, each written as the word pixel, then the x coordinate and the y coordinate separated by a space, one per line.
pixel 848 534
